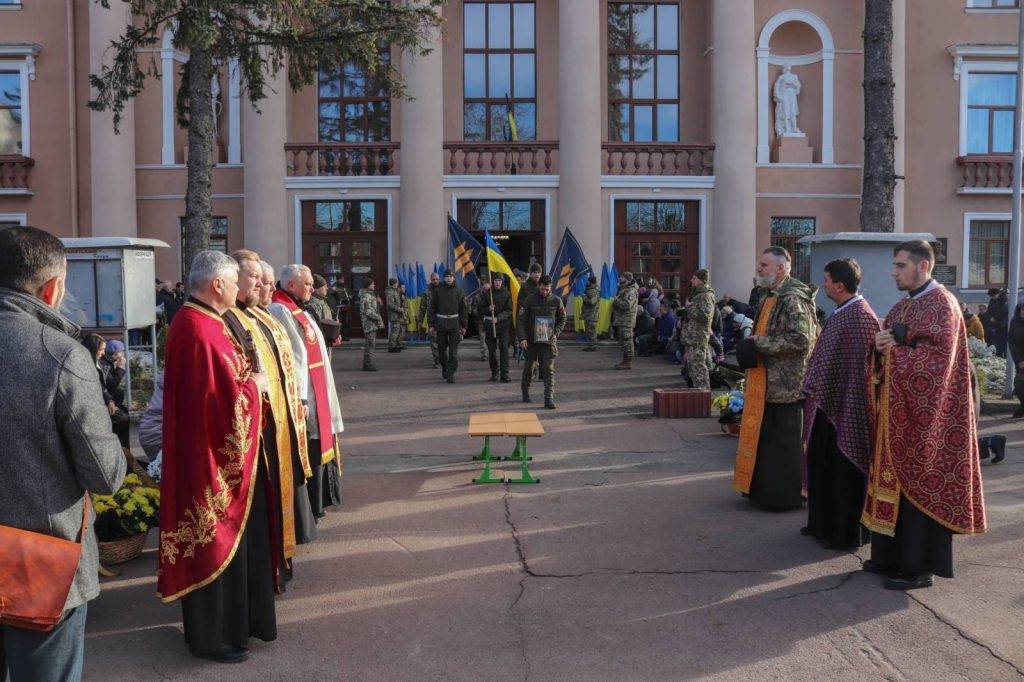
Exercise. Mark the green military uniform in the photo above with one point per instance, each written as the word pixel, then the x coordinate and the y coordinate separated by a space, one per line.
pixel 623 320
pixel 369 316
pixel 496 335
pixel 448 315
pixel 591 302
pixel 696 332
pixel 526 289
pixel 398 318
pixel 424 320
pixel 321 308
pixel 482 295
pixel 531 312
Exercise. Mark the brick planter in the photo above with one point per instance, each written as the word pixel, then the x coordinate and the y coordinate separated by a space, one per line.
pixel 682 403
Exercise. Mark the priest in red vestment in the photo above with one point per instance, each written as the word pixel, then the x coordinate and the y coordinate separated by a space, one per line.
pixel 924 482
pixel 215 551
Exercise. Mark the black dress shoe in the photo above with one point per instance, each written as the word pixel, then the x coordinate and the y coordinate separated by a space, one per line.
pixel 870 566
pixel 228 654
pixel 998 446
pixel 908 581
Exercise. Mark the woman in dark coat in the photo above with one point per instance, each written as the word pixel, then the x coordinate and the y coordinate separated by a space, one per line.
pixel 118 414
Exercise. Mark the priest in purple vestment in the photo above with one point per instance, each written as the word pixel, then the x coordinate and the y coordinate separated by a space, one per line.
pixel 837 428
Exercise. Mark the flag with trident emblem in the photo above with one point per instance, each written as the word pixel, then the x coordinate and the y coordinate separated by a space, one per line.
pixel 568 266
pixel 465 253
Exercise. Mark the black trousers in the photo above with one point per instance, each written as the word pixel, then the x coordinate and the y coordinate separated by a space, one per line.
pixel 835 490
pixel 448 351
pixel 240 603
pixel 920 545
pixel 497 351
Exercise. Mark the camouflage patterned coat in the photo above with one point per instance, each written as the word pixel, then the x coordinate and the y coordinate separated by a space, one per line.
pixel 591 299
pixel 397 310
pixel 369 312
pixel 697 329
pixel 786 345
pixel 624 306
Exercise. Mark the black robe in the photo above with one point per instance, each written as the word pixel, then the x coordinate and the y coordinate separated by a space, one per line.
pixel 777 478
pixel 835 490
pixel 920 545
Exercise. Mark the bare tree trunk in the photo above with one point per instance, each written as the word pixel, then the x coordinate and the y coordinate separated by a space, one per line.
pixel 198 195
pixel 877 210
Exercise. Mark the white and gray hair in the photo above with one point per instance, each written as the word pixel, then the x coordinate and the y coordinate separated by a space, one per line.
pixel 208 266
pixel 267 267
pixel 290 273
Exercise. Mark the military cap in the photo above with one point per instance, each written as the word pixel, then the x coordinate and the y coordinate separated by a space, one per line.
pixel 535 267
pixel 703 275
pixel 628 276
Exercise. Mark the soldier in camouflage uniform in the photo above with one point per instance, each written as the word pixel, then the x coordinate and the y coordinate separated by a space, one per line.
pixel 696 331
pixel 435 279
pixel 788 331
pixel 542 304
pixel 591 301
pixel 483 294
pixel 624 318
pixel 369 316
pixel 398 316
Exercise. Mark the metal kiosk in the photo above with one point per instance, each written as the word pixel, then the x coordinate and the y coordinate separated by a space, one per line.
pixel 111 291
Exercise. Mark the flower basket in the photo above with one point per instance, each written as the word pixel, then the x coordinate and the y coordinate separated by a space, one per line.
pixel 121 550
pixel 732 428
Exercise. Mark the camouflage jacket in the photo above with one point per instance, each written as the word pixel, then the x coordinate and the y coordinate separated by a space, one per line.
pixel 396 300
pixel 591 298
pixel 535 306
pixel 696 331
pixel 788 340
pixel 624 306
pixel 425 305
pixel 369 311
pixel 321 308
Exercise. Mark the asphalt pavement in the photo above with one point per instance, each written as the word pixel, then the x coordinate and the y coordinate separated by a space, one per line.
pixel 631 559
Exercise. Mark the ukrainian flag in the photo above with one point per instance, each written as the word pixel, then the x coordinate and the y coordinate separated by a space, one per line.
pixel 496 264
pixel 604 307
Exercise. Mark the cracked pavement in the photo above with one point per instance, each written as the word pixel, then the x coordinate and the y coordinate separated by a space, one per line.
pixel 632 559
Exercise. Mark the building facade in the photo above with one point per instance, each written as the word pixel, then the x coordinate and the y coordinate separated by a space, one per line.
pixel 668 134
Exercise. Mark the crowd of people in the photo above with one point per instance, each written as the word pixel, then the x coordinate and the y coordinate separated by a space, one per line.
pixel 872 422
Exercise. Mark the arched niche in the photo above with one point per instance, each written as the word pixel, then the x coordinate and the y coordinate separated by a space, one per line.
pixel 765 59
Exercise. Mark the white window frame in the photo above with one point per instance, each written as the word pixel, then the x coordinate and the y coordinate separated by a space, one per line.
pixel 20 218
pixel 24 63
pixel 965 265
pixel 968 68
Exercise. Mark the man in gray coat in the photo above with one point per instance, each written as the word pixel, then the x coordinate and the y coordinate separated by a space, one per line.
pixel 57 443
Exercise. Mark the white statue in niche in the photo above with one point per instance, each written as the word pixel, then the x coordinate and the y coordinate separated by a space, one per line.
pixel 218 105
pixel 787 87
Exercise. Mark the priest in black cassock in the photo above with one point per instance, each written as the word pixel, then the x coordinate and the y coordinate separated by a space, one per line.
pixel 837 428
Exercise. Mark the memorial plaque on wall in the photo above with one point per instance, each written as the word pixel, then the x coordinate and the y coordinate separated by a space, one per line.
pixel 945 274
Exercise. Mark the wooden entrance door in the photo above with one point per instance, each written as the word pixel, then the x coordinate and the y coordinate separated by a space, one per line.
pixel 659 239
pixel 346 239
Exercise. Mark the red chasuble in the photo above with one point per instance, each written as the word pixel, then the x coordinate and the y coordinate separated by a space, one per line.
pixel 317 376
pixel 211 427
pixel 926 444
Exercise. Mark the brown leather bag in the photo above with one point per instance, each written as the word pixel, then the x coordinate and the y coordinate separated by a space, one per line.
pixel 36 572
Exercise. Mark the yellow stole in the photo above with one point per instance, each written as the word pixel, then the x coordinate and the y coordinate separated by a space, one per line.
pixel 753 410
pixel 882 501
pixel 282 430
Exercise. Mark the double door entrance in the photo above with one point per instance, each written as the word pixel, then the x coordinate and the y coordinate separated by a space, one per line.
pixel 658 240
pixel 347 241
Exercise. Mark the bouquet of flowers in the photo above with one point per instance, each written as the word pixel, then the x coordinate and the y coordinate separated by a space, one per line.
pixel 989 367
pixel 730 405
pixel 130 511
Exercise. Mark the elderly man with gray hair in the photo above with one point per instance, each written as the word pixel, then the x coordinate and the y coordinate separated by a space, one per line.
pixel 216 541
pixel 315 384
pixel 57 446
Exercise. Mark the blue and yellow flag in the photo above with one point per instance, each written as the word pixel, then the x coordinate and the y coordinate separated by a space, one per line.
pixel 604 306
pixel 496 264
pixel 465 252
pixel 568 265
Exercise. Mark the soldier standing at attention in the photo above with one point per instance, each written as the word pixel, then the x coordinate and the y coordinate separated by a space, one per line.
pixel 696 331
pixel 448 316
pixel 435 280
pixel 397 316
pixel 624 317
pixel 497 319
pixel 541 319
pixel 318 303
pixel 591 299
pixel 369 316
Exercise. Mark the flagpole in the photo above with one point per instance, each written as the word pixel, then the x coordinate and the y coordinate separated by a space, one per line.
pixel 490 289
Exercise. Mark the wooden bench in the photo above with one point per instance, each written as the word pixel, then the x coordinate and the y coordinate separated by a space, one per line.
pixel 519 425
